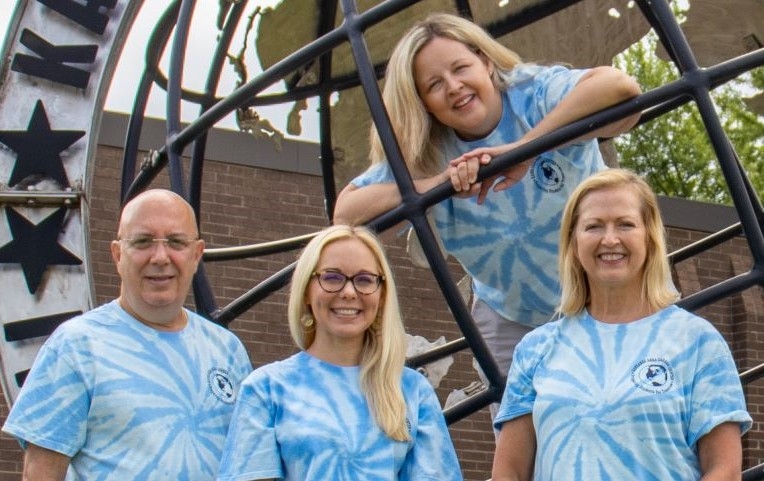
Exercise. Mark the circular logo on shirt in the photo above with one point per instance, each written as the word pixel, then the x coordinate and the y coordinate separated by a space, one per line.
pixel 221 385
pixel 548 175
pixel 653 375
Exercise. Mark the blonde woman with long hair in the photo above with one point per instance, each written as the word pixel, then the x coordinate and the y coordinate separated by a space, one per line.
pixel 344 407
pixel 626 385
pixel 456 99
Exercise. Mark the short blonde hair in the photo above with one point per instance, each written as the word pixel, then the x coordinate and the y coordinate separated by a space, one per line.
pixel 657 286
pixel 384 352
pixel 417 132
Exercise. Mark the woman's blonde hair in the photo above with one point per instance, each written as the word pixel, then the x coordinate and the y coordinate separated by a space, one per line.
pixel 418 133
pixel 384 350
pixel 657 286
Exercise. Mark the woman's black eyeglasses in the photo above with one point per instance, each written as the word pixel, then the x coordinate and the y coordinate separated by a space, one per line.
pixel 363 282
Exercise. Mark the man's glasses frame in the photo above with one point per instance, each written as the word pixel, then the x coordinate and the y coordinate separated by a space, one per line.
pixel 145 243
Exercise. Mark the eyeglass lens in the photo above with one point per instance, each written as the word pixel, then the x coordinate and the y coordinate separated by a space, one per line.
pixel 145 242
pixel 363 282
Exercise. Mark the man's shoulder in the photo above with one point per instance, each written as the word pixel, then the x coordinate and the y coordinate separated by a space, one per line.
pixel 215 334
pixel 101 316
pixel 208 325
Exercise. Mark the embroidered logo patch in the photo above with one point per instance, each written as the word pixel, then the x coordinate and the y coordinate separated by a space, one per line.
pixel 548 175
pixel 221 385
pixel 653 375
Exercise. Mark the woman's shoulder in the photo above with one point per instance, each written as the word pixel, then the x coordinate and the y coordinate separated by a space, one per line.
pixel 414 379
pixel 677 314
pixel 412 375
pixel 541 338
pixel 525 72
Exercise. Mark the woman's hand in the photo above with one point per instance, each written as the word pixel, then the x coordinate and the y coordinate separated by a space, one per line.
pixel 464 169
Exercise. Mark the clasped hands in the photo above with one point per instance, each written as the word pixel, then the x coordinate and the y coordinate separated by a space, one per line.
pixel 463 172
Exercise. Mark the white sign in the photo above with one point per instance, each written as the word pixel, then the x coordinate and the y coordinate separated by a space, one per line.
pixel 59 58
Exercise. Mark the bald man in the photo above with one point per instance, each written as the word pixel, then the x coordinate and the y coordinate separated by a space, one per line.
pixel 140 388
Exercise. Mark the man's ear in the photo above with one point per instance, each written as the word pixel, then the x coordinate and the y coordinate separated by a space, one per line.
pixel 116 251
pixel 199 250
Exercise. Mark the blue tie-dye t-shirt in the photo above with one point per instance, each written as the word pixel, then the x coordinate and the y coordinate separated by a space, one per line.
pixel 128 402
pixel 623 402
pixel 302 419
pixel 509 244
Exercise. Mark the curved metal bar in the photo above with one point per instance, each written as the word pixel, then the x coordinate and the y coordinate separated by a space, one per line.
pixel 210 87
pixel 730 69
pixel 755 473
pixel 277 72
pixel 734 176
pixel 156 44
pixel 374 99
pixel 752 374
pixel 256 250
pixel 471 405
pixel 203 295
pixel 706 243
pixel 528 15
pixel 177 60
pixel 238 306
pixel 718 75
pixel 439 352
pixel 328 14
pixel 723 289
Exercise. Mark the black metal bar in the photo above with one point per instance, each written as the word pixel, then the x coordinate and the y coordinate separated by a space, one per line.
pixel 439 352
pixel 755 473
pixel 752 374
pixel 722 289
pixel 256 250
pixel 471 405
pixel 204 298
pixel 157 42
pixel 239 305
pixel 706 243
pixel 328 14
pixel 177 58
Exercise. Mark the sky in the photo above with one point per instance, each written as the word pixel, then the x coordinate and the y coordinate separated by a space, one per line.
pixel 201 43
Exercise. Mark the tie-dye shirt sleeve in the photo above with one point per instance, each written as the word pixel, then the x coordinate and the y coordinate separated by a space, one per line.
pixel 55 391
pixel 432 456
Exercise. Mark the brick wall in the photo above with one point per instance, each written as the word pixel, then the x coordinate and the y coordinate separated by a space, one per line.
pixel 243 205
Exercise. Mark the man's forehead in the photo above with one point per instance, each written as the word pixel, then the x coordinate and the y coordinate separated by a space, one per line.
pixel 164 222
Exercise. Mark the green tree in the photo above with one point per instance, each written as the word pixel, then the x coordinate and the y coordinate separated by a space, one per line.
pixel 673 151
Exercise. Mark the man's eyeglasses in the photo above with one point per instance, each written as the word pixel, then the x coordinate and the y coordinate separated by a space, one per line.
pixel 143 243
pixel 363 282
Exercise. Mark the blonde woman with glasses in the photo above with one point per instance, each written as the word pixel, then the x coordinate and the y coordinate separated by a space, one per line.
pixel 344 407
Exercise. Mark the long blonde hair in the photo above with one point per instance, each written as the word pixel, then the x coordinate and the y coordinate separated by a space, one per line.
pixel 418 133
pixel 657 286
pixel 384 350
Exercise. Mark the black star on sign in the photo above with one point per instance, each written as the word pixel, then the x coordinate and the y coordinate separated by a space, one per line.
pixel 38 148
pixel 36 247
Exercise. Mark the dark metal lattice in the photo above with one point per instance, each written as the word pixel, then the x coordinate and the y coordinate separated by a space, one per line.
pixel 694 85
